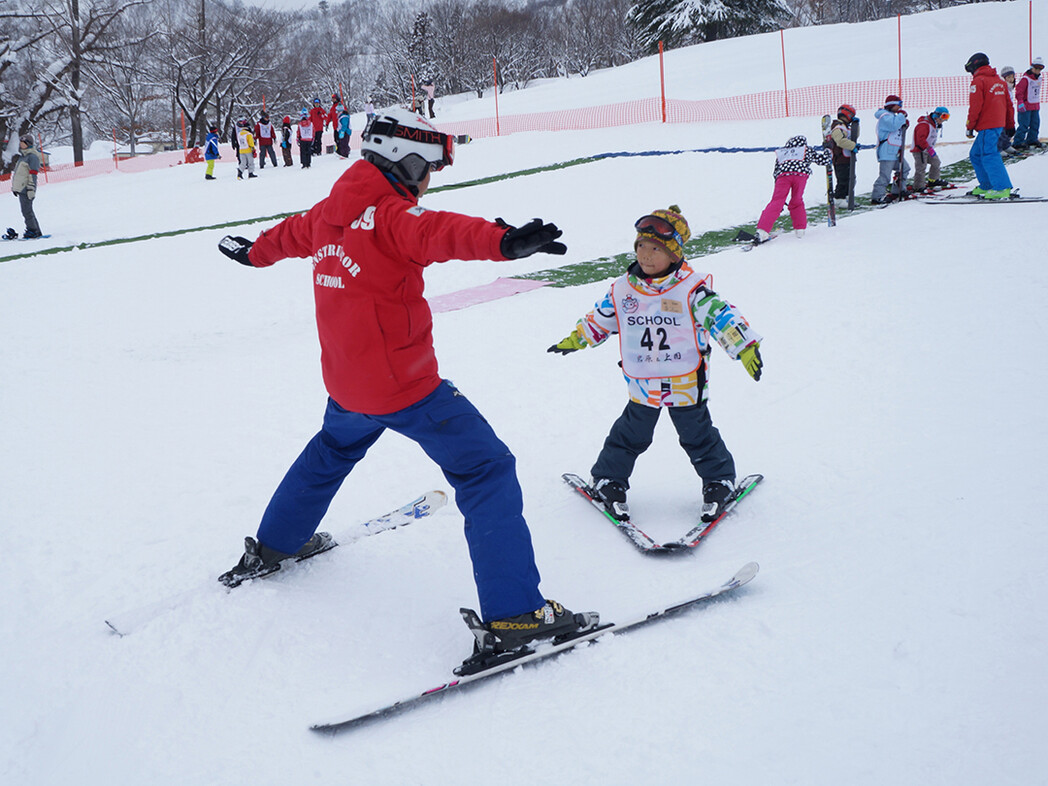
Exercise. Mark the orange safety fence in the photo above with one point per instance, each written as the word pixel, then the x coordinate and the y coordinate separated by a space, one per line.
pixel 919 94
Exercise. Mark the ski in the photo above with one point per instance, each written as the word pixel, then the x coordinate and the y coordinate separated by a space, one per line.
pixel 696 534
pixel 827 143
pixel 645 542
pixel 132 619
pixel 971 199
pixel 528 655
pixel 853 133
pixel 637 536
pixel 898 183
pixel 750 241
pixel 12 235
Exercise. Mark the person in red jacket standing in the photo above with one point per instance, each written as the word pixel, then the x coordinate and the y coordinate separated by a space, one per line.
pixel 369 242
pixel 989 113
pixel 1028 107
pixel 332 116
pixel 318 116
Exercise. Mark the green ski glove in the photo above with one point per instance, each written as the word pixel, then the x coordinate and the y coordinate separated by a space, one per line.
pixel 751 359
pixel 570 344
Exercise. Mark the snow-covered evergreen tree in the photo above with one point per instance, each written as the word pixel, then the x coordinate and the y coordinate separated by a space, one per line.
pixel 682 22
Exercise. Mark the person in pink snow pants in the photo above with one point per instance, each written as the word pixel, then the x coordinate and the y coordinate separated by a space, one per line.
pixel 792 169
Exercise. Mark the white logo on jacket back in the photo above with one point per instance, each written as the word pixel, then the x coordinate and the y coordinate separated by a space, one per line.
pixel 365 220
pixel 335 251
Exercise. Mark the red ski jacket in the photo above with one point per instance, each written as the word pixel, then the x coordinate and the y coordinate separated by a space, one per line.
pixel 318 116
pixel 370 242
pixel 989 105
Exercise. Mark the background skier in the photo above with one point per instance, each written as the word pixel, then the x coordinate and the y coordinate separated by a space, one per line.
pixel 792 170
pixel 891 125
pixel 989 113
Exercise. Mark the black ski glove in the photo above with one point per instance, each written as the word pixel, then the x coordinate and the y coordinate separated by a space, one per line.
pixel 236 248
pixel 532 237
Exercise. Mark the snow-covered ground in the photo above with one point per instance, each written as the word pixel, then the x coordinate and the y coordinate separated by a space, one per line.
pixel 152 395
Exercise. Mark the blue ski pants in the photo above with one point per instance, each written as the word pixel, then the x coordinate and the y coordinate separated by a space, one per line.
pixel 634 431
pixel 1028 127
pixel 987 162
pixel 476 463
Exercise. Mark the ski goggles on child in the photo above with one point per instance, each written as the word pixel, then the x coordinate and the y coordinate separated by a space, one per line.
pixel 659 227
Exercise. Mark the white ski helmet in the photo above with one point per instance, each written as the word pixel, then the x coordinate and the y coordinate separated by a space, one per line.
pixel 407 146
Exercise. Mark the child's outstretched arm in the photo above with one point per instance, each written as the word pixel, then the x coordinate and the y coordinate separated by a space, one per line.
pixel 592 330
pixel 730 329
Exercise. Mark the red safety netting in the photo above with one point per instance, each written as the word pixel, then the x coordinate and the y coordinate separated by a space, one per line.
pixel 919 96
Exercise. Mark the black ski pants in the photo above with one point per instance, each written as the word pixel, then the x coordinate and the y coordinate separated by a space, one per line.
pixel 842 173
pixel 633 432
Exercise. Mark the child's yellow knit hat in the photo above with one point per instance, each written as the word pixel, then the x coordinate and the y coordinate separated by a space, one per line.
pixel 672 238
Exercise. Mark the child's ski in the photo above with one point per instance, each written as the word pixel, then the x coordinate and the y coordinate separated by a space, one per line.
pixel 637 536
pixel 827 142
pixel 645 542
pixel 697 533
pixel 527 655
pixel 133 619
pixel 750 242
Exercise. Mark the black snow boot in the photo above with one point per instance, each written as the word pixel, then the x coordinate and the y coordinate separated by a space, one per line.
pixel 714 495
pixel 613 494
pixel 260 560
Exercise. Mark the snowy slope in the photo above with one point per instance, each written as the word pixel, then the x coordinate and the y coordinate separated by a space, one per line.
pixel 153 394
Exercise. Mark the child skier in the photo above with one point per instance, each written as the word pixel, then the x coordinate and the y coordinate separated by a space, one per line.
pixel 925 135
pixel 792 170
pixel 1028 107
pixel 665 313
pixel 305 139
pixel 342 132
pixel 891 123
pixel 211 152
pixel 265 135
pixel 841 147
pixel 246 149
pixel 285 141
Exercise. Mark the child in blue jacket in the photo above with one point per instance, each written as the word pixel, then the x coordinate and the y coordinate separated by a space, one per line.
pixel 211 152
pixel 891 126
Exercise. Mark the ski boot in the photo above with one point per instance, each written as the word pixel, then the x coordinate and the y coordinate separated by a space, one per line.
pixel 259 560
pixel 31 234
pixel 715 495
pixel 612 494
pixel 508 639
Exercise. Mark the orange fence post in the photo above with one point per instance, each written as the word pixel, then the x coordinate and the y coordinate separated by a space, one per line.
pixel 116 158
pixel 40 147
pixel 785 85
pixel 185 147
pixel 495 73
pixel 899 25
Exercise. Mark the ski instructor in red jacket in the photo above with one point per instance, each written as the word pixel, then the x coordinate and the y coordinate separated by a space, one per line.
pixel 369 242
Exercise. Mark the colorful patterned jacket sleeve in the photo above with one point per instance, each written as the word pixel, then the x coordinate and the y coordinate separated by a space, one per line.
pixel 718 318
pixel 595 328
